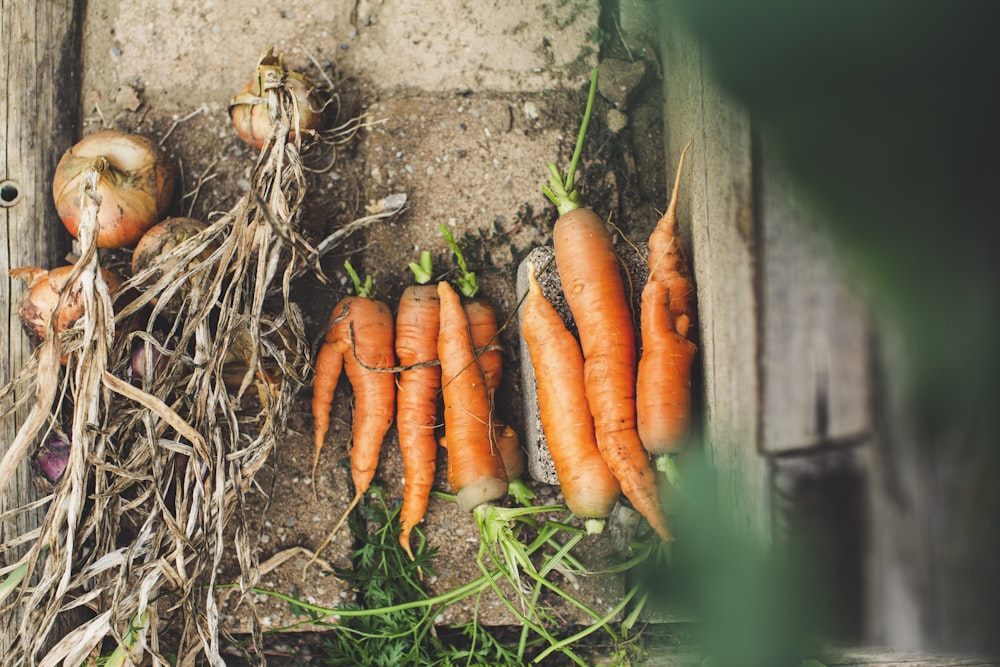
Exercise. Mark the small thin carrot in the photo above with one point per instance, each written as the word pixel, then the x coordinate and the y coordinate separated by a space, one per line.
pixel 485 332
pixel 589 271
pixel 668 262
pixel 588 485
pixel 360 339
pixel 475 468
pixel 417 321
pixel 663 384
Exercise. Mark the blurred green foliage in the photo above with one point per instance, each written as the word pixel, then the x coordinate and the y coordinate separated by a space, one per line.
pixel 887 116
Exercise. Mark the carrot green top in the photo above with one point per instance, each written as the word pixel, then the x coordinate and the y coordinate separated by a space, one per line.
pixel 363 290
pixel 467 282
pixel 560 189
pixel 423 271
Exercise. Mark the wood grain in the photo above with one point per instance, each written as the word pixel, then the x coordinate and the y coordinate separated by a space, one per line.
pixel 39 117
pixel 716 221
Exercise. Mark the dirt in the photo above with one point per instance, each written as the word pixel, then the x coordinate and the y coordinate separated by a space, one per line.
pixel 463 105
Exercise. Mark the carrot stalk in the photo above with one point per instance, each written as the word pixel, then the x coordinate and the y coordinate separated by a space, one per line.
pixel 588 485
pixel 417 394
pixel 588 269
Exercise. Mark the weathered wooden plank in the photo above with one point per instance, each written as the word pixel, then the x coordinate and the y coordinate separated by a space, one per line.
pixel 875 656
pixel 39 53
pixel 814 329
pixel 716 213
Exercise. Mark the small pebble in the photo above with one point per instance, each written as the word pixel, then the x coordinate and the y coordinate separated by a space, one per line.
pixel 531 111
pixel 617 120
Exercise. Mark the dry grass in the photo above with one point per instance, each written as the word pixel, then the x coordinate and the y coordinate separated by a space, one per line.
pixel 154 493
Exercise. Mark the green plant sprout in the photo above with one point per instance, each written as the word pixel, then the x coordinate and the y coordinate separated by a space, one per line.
pixel 423 270
pixel 561 189
pixel 467 282
pixel 393 621
pixel 363 290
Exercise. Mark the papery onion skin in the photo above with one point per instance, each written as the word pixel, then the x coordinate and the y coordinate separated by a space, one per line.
pixel 42 296
pixel 251 117
pixel 137 183
pixel 161 238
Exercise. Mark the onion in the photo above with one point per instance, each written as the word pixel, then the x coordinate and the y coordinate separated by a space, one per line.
pixel 142 350
pixel 51 457
pixel 162 238
pixel 42 296
pixel 136 185
pixel 249 109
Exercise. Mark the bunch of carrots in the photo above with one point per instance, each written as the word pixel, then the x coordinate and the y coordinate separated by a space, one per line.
pixel 606 405
pixel 446 344
pixel 604 414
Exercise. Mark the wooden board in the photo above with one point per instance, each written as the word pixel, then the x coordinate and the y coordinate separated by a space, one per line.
pixel 814 329
pixel 39 58
pixel 716 221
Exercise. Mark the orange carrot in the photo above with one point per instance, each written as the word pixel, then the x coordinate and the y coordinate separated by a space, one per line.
pixel 667 260
pixel 360 338
pixel 588 485
pixel 475 468
pixel 417 395
pixel 485 333
pixel 663 385
pixel 588 269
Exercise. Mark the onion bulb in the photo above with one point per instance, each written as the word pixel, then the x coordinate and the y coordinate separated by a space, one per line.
pixel 249 108
pixel 136 185
pixel 51 458
pixel 146 355
pixel 160 239
pixel 42 296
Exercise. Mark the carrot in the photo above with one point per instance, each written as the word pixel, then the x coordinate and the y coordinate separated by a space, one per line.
pixel 360 339
pixel 588 269
pixel 475 468
pixel 663 385
pixel 667 260
pixel 417 394
pixel 485 333
pixel 588 485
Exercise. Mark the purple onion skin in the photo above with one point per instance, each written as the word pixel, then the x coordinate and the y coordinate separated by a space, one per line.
pixel 157 358
pixel 51 458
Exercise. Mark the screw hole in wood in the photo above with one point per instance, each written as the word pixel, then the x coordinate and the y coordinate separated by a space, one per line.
pixel 9 193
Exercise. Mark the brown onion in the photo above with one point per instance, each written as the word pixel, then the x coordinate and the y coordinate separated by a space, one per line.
pixel 42 296
pixel 163 237
pixel 136 185
pixel 157 243
pixel 249 109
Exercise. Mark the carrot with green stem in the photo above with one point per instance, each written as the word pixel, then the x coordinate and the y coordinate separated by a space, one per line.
pixel 359 341
pixel 485 332
pixel 588 485
pixel 476 470
pixel 589 271
pixel 417 320
pixel 663 386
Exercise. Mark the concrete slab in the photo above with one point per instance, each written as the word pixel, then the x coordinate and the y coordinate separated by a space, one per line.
pixel 519 45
